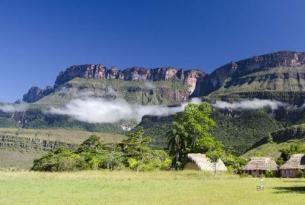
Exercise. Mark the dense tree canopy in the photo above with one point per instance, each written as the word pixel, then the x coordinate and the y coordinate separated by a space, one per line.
pixel 191 132
pixel 133 153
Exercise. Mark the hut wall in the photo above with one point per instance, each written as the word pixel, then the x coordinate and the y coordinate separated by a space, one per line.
pixel 255 173
pixel 191 166
pixel 287 173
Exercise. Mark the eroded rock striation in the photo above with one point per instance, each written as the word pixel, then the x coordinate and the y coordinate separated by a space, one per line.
pixel 282 71
pixel 99 71
pixel 190 78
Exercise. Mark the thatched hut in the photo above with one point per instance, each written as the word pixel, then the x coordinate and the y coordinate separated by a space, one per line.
pixel 293 166
pixel 197 161
pixel 258 166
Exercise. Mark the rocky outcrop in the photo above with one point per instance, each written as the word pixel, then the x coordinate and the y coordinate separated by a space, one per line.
pixel 36 93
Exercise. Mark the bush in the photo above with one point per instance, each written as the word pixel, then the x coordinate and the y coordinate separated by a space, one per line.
pixel 270 174
pixel 91 160
pixel 300 174
pixel 233 162
pixel 155 160
pixel 113 159
pixel 60 160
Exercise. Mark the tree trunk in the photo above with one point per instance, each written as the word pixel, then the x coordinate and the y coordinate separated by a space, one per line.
pixel 177 160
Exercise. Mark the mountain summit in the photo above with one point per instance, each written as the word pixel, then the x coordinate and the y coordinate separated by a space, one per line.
pixel 165 85
pixel 266 76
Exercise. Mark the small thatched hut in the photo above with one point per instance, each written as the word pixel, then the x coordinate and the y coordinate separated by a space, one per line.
pixel 197 161
pixel 293 166
pixel 258 166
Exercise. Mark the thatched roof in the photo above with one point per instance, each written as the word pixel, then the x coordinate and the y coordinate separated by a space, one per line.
pixel 204 163
pixel 296 161
pixel 261 163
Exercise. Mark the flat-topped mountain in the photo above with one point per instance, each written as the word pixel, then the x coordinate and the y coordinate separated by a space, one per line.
pixel 187 78
pixel 265 76
pixel 279 76
pixel 98 71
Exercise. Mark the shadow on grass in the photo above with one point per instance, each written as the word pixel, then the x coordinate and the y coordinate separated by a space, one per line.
pixel 293 189
pixel 294 181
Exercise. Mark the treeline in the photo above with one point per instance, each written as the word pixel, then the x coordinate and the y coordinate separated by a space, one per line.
pixel 37 119
pixel 133 153
pixel 283 135
pixel 27 143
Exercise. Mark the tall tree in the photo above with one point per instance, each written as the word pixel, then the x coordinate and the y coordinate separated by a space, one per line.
pixel 137 146
pixel 191 132
pixel 177 143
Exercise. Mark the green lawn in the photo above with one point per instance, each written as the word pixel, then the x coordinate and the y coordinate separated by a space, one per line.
pixel 126 187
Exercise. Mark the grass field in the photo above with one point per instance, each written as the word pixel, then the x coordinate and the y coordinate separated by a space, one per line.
pixel 126 187
pixel 62 135
pixel 23 159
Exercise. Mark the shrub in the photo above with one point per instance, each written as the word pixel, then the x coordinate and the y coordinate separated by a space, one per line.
pixel 233 162
pixel 60 160
pixel 270 174
pixel 91 160
pixel 132 163
pixel 300 174
pixel 113 159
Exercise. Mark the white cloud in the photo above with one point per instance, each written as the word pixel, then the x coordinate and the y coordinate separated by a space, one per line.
pixel 149 85
pixel 249 104
pixel 99 110
pixel 196 100
pixel 10 108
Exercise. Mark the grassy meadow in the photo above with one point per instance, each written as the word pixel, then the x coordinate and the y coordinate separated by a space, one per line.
pixel 62 135
pixel 127 187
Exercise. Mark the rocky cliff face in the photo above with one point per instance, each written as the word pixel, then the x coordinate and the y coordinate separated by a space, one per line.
pixel 280 71
pixel 36 93
pixel 189 78
pixel 98 71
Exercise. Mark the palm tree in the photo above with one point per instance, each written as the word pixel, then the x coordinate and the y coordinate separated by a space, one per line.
pixel 177 143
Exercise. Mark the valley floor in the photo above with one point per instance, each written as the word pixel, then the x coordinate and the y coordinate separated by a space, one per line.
pixel 126 187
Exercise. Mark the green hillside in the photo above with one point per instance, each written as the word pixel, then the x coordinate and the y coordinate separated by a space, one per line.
pixel 280 139
pixel 237 130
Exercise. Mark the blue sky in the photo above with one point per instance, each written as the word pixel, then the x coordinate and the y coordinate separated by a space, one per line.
pixel 40 38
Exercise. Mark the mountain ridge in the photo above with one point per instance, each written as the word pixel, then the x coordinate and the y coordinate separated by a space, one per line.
pixel 190 77
pixel 282 71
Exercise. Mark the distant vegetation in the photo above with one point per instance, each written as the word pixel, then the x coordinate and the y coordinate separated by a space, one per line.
pixel 237 130
pixel 19 147
pixel 133 153
pixel 281 143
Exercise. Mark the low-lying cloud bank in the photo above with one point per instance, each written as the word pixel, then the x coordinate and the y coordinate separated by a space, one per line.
pixel 98 110
pixel 249 104
pixel 10 108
